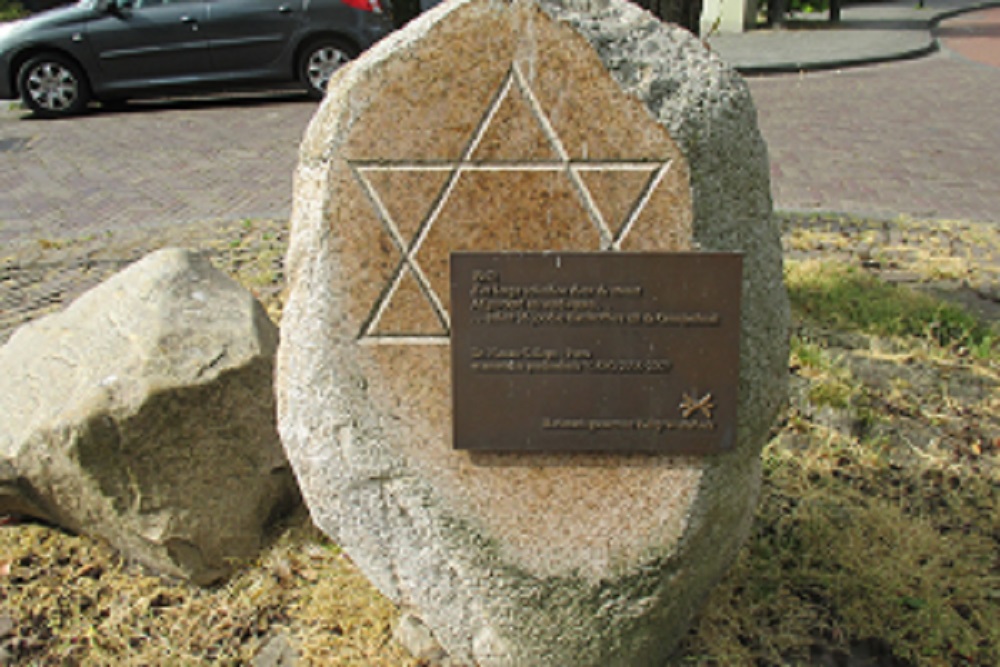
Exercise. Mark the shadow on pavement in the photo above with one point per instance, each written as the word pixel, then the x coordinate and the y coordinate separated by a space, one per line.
pixel 153 105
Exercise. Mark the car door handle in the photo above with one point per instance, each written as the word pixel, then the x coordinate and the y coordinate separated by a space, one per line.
pixel 284 9
pixel 190 20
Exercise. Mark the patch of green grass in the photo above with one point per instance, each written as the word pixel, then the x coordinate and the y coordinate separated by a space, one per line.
pixel 807 354
pixel 10 11
pixel 833 392
pixel 831 384
pixel 834 562
pixel 879 522
pixel 838 296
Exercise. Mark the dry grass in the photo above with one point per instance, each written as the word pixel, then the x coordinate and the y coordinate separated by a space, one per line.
pixel 72 601
pixel 877 535
pixel 879 529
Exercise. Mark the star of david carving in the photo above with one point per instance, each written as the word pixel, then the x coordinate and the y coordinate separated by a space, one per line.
pixel 409 244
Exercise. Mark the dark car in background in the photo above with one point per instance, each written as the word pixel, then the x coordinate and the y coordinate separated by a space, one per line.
pixel 110 50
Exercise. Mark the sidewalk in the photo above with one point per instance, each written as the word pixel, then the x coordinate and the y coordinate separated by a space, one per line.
pixel 869 32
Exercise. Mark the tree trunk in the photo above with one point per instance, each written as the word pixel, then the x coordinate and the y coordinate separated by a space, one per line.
pixel 685 13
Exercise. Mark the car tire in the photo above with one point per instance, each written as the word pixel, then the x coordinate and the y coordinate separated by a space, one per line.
pixel 319 60
pixel 53 86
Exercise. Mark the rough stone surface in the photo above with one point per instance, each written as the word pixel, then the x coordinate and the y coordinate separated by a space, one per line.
pixel 411 632
pixel 518 126
pixel 143 415
pixel 276 651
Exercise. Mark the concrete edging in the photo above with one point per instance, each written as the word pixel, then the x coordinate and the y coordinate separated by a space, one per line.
pixel 932 45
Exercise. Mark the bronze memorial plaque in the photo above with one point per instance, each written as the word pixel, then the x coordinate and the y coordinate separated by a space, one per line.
pixel 595 352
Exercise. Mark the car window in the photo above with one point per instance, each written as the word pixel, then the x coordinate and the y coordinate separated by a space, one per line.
pixel 139 4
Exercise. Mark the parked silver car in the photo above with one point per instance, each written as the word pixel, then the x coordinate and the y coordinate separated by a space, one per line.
pixel 109 50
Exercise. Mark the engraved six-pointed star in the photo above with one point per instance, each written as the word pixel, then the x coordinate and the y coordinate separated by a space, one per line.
pixel 514 187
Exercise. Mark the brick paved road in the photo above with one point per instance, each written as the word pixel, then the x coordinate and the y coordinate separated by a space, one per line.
pixel 148 165
pixel 920 138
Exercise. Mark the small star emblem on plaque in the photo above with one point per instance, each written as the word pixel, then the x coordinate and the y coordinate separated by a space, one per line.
pixel 690 405
pixel 488 155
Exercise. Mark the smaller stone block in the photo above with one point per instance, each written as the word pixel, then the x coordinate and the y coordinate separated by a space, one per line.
pixel 143 414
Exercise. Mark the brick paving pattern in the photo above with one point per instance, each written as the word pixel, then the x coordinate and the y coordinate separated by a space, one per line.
pixel 974 36
pixel 919 138
pixel 147 166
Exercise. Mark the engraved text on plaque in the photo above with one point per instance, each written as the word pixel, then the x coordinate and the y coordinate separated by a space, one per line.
pixel 595 352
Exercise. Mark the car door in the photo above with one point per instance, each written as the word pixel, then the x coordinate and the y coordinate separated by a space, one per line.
pixel 253 38
pixel 151 42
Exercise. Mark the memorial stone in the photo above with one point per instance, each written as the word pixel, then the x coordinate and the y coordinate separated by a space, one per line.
pixel 551 128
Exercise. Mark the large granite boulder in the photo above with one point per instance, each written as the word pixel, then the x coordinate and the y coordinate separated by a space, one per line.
pixel 524 125
pixel 143 414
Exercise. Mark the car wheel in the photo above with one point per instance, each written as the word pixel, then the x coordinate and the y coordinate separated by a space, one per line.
pixel 320 60
pixel 53 86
